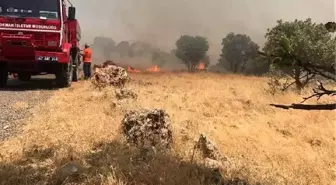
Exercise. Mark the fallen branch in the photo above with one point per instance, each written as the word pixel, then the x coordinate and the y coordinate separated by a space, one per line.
pixel 306 107
pixel 320 91
pixel 327 72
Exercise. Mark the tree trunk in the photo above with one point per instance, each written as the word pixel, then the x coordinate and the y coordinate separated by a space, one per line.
pixel 193 67
pixel 189 66
pixel 243 66
pixel 297 74
pixel 235 67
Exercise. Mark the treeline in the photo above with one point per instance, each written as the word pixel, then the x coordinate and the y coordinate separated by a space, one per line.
pixel 108 49
pixel 288 45
pixel 239 54
pixel 295 53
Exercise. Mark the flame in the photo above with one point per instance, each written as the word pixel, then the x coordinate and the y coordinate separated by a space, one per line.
pixel 132 70
pixel 153 69
pixel 201 66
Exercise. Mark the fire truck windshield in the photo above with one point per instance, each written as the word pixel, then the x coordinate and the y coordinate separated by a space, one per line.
pixel 32 8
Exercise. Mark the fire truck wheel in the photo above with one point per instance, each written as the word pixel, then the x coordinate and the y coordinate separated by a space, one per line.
pixel 76 64
pixel 64 75
pixel 3 75
pixel 75 74
pixel 24 76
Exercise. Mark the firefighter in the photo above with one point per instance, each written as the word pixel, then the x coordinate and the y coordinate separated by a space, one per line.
pixel 87 58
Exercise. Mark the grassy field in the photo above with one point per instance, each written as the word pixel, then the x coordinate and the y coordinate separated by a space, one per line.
pixel 266 144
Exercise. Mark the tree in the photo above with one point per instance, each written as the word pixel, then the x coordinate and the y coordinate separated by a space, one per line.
pixel 301 49
pixel 258 66
pixel 105 45
pixel 191 50
pixel 159 57
pixel 140 49
pixel 311 48
pixel 173 52
pixel 123 49
pixel 238 49
pixel 330 26
pixel 206 61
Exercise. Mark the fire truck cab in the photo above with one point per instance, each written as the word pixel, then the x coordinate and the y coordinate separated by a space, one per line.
pixel 39 37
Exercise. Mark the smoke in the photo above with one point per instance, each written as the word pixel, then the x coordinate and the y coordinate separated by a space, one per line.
pixel 161 22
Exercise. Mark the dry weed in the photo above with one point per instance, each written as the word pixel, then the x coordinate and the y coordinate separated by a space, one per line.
pixel 20 105
pixel 266 144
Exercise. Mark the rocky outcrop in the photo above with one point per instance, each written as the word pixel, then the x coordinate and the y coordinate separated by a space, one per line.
pixel 110 75
pixel 124 93
pixel 148 128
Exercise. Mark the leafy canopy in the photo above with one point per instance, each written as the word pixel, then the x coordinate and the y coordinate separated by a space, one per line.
pixel 300 40
pixel 237 50
pixel 160 58
pixel 191 50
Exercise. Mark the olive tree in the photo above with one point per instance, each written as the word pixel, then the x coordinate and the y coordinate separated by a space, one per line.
pixel 191 50
pixel 308 48
pixel 160 58
pixel 237 51
pixel 299 49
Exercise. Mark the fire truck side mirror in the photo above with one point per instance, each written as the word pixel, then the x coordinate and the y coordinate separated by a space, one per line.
pixel 71 13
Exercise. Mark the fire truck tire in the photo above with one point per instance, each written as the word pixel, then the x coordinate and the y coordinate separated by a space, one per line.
pixel 24 76
pixel 75 74
pixel 3 75
pixel 64 75
pixel 76 64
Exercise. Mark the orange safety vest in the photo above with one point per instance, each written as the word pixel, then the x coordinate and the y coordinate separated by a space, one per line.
pixel 87 55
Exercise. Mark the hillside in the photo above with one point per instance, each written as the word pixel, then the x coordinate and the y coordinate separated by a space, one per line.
pixel 266 144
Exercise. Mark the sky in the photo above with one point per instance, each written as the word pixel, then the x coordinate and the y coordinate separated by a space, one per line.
pixel 162 22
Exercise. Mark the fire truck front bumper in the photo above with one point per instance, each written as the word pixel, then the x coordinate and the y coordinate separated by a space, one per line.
pixel 40 61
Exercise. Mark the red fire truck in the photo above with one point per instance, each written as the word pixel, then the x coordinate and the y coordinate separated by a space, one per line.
pixel 39 37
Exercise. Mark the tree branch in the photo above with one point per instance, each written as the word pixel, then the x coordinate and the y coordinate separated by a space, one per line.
pixel 308 79
pixel 286 87
pixel 306 107
pixel 320 91
pixel 304 83
pixel 318 67
pixel 312 68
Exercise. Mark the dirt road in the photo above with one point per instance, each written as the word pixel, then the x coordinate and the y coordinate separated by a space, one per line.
pixel 18 98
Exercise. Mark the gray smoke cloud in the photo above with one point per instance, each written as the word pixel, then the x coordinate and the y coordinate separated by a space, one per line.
pixel 162 22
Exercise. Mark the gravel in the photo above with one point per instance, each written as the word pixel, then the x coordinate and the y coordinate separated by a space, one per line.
pixel 17 100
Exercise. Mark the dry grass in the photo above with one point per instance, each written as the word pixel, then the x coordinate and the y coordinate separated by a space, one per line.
pixel 20 105
pixel 268 145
